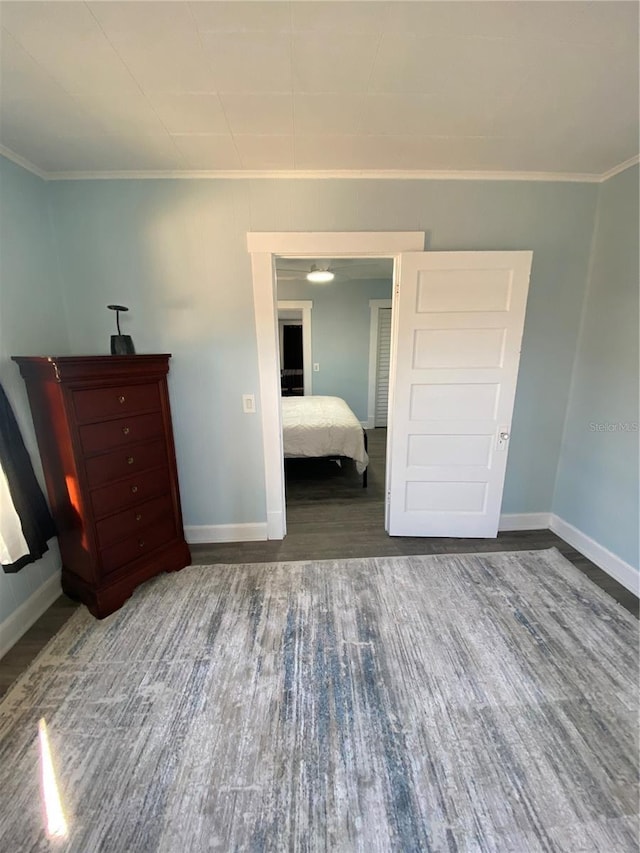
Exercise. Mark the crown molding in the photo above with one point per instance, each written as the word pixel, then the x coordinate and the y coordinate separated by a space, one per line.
pixel 8 154
pixel 321 174
pixel 621 167
pixel 333 174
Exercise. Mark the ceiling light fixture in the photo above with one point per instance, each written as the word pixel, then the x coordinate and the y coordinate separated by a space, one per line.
pixel 317 276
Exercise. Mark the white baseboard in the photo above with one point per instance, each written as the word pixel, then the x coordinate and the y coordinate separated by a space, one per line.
pixel 203 533
pixel 524 521
pixel 22 619
pixel 606 560
pixel 368 424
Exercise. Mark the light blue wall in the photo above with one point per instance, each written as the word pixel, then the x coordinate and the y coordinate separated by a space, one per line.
pixel 175 251
pixel 32 321
pixel 597 483
pixel 340 324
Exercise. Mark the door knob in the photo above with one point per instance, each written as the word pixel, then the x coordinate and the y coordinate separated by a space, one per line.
pixel 502 439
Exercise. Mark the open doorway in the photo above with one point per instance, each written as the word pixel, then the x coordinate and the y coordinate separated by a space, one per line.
pixel 294 346
pixel 291 360
pixel 264 248
pixel 334 441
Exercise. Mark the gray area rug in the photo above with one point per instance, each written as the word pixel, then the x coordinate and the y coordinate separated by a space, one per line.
pixel 450 703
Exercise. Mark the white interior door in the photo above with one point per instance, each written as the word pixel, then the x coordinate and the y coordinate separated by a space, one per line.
pixel 459 319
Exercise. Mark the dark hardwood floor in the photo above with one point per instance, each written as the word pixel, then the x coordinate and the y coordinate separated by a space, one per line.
pixel 329 516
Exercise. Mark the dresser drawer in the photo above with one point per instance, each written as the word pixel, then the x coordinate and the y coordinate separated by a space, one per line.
pixel 143 542
pixel 110 434
pixel 118 463
pixel 97 403
pixel 133 490
pixel 132 520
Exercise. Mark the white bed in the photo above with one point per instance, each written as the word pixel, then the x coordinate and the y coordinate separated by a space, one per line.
pixel 322 426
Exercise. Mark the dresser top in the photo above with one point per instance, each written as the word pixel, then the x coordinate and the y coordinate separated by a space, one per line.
pixel 62 359
pixel 69 367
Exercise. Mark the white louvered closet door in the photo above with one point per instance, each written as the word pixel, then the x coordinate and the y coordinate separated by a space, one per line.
pixel 382 367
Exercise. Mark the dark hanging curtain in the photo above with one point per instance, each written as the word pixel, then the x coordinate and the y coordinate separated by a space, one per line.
pixel 26 494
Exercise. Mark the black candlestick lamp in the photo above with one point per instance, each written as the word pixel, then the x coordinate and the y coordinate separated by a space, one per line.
pixel 121 344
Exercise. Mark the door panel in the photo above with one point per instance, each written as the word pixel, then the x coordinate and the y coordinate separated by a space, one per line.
pixel 456 351
pixel 454 497
pixel 437 450
pixel 448 401
pixel 479 290
pixel 458 348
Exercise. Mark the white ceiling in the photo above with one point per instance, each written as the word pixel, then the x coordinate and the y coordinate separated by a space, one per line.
pixel 216 86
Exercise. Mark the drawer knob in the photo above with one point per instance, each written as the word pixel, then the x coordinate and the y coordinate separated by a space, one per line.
pixel 140 543
pixel 125 430
pixel 121 398
pixel 134 489
pixel 129 460
pixel 138 516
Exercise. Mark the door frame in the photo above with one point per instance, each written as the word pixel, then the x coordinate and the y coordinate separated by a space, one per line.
pixel 264 247
pixel 374 307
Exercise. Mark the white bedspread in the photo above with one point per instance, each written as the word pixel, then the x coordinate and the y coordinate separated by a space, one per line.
pixel 322 426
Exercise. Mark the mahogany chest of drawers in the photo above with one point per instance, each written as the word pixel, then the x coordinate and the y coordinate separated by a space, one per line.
pixel 103 425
